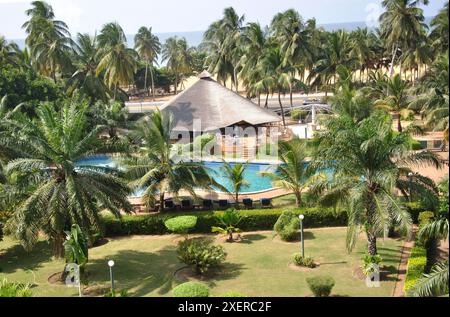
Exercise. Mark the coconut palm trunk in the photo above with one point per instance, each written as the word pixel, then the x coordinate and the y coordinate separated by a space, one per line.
pixel 282 108
pixel 298 198
pixel 371 235
pixel 394 52
pixel 145 79
pixel 161 202
pixel 153 82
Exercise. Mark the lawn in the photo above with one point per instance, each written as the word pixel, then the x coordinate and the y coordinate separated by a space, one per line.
pixel 258 266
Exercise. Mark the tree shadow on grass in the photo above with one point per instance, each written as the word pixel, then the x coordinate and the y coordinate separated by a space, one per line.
pixel 16 258
pixel 140 272
pixel 389 273
pixel 307 235
pixel 251 238
pixel 227 271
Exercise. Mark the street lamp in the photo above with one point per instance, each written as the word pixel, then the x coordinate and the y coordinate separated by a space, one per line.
pixel 301 217
pixel 410 176
pixel 111 275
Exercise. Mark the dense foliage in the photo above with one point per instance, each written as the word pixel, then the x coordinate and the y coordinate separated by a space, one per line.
pixel 191 289
pixel 321 286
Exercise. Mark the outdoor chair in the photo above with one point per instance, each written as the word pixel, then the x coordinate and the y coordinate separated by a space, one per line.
pixel 224 204
pixel 266 203
pixel 248 203
pixel 186 204
pixel 208 204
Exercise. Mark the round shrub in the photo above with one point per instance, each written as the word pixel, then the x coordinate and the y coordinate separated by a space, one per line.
pixel 201 254
pixel 304 261
pixel 287 226
pixel 181 224
pixel 191 289
pixel 321 286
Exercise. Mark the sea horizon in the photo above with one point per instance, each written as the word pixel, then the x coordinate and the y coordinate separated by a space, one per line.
pixel 194 38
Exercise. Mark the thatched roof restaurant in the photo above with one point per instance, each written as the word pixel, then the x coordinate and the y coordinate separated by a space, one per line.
pixel 215 107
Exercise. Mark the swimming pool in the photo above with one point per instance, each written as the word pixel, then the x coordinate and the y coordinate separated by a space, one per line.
pixel 257 182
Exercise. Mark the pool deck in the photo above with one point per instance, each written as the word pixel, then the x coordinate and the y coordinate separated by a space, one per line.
pixel 270 194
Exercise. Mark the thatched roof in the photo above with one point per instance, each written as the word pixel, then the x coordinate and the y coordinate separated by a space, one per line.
pixel 216 107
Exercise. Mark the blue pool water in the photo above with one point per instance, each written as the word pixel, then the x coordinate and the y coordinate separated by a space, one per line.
pixel 256 181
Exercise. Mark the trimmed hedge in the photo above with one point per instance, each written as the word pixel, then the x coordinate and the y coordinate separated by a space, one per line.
pixel 253 220
pixel 416 267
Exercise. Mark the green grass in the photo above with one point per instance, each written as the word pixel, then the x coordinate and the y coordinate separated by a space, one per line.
pixel 259 266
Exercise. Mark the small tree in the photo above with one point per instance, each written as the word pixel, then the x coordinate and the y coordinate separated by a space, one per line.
pixel 76 247
pixel 200 254
pixel 228 221
pixel 235 174
pixel 287 226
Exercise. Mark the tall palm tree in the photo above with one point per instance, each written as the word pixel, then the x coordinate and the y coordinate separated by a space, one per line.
pixel 276 75
pixel 433 95
pixel 177 55
pixel 62 191
pixel 156 168
pixel 148 47
pixel 295 174
pixel 439 32
pixel 49 40
pixel 402 24
pixel 118 63
pixel 336 50
pixel 235 174
pixel 222 40
pixel 85 79
pixel 363 49
pixel 368 160
pixel 9 52
pixel 397 99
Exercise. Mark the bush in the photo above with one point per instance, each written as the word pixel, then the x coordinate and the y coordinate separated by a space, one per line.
pixel 181 225
pixel 252 220
pixel 201 254
pixel 10 289
pixel 321 286
pixel 414 209
pixel 304 261
pixel 191 289
pixel 287 226
pixel 417 263
pixel 371 264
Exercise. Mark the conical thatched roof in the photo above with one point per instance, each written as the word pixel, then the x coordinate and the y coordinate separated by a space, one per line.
pixel 216 107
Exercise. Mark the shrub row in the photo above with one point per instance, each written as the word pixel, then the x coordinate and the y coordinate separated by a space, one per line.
pixel 253 220
pixel 416 266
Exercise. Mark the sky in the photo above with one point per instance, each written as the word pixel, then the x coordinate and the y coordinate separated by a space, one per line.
pixel 188 15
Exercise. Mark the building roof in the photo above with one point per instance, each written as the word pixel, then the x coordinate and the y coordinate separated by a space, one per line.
pixel 215 107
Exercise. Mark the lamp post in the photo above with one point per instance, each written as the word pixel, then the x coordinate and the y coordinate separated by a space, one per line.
pixel 111 275
pixel 410 176
pixel 301 217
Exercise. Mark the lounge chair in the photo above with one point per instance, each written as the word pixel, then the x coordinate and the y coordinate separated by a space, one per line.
pixel 208 204
pixel 248 203
pixel 169 204
pixel 224 204
pixel 187 204
pixel 266 203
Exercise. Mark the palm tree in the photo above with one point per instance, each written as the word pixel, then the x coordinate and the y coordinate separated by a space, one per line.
pixel 117 61
pixel 156 169
pixel 335 51
pixel 295 174
pixel 9 52
pixel 292 35
pixel 397 99
pixel 363 49
pixel 275 75
pixel 112 115
pixel 222 40
pixel 85 79
pixel 177 55
pixel 235 173
pixel 368 160
pixel 62 192
pixel 402 24
pixel 433 95
pixel 439 32
pixel 148 47
pixel 49 40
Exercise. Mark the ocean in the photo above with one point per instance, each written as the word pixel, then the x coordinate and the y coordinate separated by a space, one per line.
pixel 194 38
